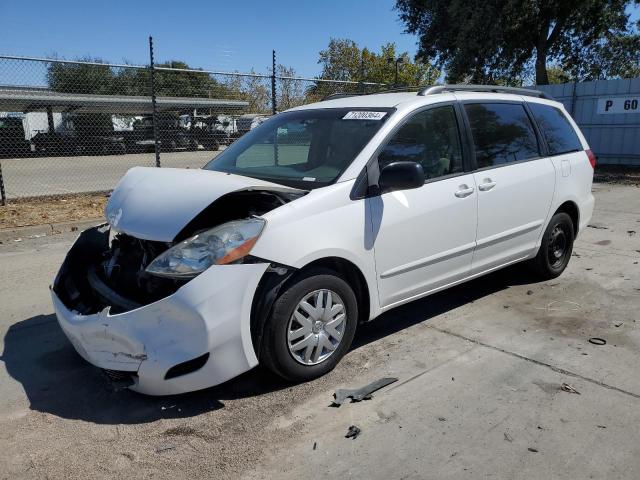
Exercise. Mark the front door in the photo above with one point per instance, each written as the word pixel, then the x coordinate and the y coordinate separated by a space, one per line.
pixel 424 238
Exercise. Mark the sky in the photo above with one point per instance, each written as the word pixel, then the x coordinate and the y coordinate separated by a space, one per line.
pixel 214 35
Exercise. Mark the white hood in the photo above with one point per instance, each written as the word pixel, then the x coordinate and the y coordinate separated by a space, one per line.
pixel 157 203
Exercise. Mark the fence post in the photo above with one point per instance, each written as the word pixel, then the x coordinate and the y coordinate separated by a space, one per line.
pixel 3 196
pixel 573 97
pixel 274 106
pixel 152 72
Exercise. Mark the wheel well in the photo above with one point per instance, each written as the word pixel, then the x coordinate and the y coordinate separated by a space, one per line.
pixel 571 209
pixel 353 276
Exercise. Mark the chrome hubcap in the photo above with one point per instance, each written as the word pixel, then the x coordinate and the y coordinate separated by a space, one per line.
pixel 316 327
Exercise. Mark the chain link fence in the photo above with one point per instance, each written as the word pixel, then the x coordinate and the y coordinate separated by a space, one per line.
pixel 78 126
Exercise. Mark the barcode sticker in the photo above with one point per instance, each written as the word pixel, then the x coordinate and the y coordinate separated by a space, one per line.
pixel 363 115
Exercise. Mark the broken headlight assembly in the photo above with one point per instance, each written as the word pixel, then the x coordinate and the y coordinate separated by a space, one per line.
pixel 221 245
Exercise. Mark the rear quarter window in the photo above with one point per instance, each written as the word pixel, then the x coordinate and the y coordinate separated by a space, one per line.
pixel 556 129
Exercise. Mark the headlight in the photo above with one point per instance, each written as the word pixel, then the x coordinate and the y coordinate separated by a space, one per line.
pixel 223 244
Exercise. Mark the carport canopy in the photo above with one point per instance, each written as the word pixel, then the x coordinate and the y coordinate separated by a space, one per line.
pixel 38 100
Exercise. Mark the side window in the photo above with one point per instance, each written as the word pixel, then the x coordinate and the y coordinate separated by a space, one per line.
pixel 502 133
pixel 557 131
pixel 430 138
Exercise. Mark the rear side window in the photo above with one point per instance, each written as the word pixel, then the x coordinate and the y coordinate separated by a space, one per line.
pixel 557 131
pixel 502 133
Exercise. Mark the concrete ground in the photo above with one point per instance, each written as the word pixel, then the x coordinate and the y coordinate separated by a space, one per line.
pixel 38 176
pixel 479 395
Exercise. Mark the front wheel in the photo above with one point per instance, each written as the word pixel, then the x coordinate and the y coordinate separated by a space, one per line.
pixel 311 326
pixel 556 247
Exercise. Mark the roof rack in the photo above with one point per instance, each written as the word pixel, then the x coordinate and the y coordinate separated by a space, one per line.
pixel 484 88
pixel 333 96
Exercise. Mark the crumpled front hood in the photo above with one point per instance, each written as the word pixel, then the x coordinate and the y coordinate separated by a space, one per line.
pixel 156 203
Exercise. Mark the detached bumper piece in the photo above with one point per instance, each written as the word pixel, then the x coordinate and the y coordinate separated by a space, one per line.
pixel 196 336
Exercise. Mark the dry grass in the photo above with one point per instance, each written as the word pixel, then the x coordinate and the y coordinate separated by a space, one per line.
pixel 626 175
pixel 47 210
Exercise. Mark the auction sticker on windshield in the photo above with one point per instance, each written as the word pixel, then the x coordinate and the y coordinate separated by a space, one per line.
pixel 362 115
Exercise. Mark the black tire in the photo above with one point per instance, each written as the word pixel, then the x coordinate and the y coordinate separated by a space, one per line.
pixel 274 351
pixel 556 247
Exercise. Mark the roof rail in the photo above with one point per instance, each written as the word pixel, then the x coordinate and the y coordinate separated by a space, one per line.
pixel 333 96
pixel 484 88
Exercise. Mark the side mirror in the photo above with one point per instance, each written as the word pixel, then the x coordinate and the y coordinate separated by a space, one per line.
pixel 401 176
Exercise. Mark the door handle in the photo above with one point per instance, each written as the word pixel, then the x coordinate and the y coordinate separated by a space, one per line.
pixel 486 185
pixel 464 191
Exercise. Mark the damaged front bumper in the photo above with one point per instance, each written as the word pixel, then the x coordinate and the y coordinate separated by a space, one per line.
pixel 195 338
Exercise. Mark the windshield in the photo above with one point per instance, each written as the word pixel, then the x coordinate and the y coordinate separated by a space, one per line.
pixel 303 149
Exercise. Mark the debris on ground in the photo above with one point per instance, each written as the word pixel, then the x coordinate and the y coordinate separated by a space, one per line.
pixel 529 292
pixel 315 445
pixel 508 437
pixel 631 232
pixel 597 341
pixel 599 227
pixel 534 450
pixel 565 387
pixel 165 446
pixel 363 393
pixel 618 325
pixel 353 432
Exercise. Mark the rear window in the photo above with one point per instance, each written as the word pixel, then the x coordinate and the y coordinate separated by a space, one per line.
pixel 557 131
pixel 502 133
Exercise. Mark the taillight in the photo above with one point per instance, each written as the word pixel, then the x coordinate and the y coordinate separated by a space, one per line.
pixel 592 158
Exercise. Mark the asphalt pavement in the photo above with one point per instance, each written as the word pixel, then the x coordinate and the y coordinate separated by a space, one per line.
pixel 480 368
pixel 41 176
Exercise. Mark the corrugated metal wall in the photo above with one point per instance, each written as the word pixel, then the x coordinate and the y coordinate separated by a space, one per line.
pixel 614 137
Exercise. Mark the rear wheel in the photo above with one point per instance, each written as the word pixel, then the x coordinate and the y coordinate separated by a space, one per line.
pixel 556 247
pixel 311 326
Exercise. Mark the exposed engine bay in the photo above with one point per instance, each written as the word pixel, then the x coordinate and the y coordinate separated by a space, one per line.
pixel 108 269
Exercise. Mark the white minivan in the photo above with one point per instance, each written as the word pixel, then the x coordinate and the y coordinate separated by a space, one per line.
pixel 319 219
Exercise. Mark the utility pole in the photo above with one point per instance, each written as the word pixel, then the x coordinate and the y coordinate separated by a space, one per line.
pixel 397 61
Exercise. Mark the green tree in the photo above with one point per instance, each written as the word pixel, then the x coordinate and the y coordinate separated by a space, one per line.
pixel 81 77
pixel 502 41
pixel 344 60
pixel 101 79
pixel 290 93
pixel 256 91
pixel 557 74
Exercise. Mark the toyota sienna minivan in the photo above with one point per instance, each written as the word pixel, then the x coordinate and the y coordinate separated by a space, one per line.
pixel 319 219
